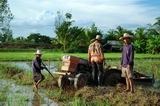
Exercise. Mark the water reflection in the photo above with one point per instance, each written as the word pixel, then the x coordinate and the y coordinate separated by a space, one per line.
pixel 36 99
pixel 22 95
pixel 27 65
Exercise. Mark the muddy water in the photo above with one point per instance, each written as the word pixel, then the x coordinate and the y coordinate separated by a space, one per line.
pixel 13 95
pixel 27 65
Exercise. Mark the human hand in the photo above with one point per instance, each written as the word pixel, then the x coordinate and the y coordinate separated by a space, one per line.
pixel 120 66
pixel 128 66
pixel 104 63
pixel 45 68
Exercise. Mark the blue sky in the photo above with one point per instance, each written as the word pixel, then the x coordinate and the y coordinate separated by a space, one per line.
pixel 37 16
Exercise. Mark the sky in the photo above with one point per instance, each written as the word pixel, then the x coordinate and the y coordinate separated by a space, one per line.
pixel 38 16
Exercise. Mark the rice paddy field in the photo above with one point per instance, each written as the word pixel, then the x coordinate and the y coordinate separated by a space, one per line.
pixel 86 96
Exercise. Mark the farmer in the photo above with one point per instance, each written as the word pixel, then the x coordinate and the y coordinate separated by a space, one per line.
pixel 96 59
pixel 127 61
pixel 36 69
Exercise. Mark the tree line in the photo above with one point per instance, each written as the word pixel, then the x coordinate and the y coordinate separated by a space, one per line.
pixel 70 38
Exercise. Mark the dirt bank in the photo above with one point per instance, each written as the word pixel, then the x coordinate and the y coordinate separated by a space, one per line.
pixel 112 96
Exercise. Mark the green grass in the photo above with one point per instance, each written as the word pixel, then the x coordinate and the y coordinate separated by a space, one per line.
pixel 50 55
pixel 3 93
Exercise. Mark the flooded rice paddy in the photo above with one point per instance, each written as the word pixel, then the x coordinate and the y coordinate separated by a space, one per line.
pixel 27 65
pixel 15 95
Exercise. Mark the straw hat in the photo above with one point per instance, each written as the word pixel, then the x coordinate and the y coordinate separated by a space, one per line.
pixel 126 35
pixel 38 52
pixel 98 37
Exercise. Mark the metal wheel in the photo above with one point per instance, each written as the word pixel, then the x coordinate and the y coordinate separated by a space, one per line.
pixel 80 81
pixel 63 81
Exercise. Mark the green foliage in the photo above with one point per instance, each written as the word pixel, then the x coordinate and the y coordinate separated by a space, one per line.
pixel 140 46
pixel 120 31
pixel 82 102
pixel 153 44
pixel 110 35
pixel 68 35
pixel 78 102
pixel 5 18
pixel 36 38
pixel 140 40
pixel 93 31
pixel 63 29
pixel 3 93
pixel 9 71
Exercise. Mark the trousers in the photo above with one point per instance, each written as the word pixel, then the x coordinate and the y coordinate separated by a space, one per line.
pixel 97 73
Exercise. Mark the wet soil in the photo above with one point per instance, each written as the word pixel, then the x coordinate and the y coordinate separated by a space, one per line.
pixel 15 95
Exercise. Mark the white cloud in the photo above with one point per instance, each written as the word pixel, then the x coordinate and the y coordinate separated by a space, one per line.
pixel 107 14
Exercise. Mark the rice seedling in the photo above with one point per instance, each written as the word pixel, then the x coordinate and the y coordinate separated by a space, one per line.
pixel 3 93
pixel 91 96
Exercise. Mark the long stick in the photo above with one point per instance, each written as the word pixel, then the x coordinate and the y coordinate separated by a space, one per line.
pixel 49 71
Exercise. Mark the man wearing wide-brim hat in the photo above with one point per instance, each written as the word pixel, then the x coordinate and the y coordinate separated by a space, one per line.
pixel 126 35
pixel 36 69
pixel 96 59
pixel 127 61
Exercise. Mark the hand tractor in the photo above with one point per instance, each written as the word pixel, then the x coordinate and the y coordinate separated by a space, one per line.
pixel 78 72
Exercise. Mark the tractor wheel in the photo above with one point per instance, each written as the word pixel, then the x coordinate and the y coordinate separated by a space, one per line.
pixel 63 81
pixel 112 79
pixel 80 81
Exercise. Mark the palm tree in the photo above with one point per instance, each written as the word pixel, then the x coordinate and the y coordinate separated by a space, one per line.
pixel 155 28
pixel 120 31
pixel 63 29
pixel 110 35
pixel 140 40
pixel 156 25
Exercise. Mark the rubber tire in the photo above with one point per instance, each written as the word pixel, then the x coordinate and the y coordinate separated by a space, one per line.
pixel 112 79
pixel 80 81
pixel 63 81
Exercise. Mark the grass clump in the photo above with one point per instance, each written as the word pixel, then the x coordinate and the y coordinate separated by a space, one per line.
pixel 3 93
pixel 13 72
pixel 8 71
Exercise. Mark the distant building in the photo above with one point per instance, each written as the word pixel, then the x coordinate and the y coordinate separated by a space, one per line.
pixel 112 46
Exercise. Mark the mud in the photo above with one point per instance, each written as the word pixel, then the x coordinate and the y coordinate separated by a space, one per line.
pixel 15 95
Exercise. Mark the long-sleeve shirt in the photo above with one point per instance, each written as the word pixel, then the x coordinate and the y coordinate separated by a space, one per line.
pixel 36 65
pixel 95 52
pixel 127 56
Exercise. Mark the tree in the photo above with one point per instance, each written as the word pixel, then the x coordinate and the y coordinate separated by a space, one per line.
pixel 63 29
pixel 5 18
pixel 120 31
pixel 155 28
pixel 93 31
pixel 110 35
pixel 20 39
pixel 77 40
pixel 140 40
pixel 37 38
pixel 153 44
pixel 156 25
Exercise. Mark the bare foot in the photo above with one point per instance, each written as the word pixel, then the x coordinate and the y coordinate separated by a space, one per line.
pixel 35 87
pixel 126 90
pixel 131 91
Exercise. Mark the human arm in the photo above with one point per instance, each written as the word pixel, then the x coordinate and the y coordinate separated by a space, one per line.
pixel 38 63
pixel 89 56
pixel 131 57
